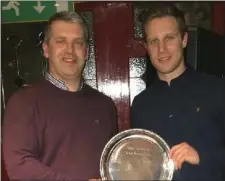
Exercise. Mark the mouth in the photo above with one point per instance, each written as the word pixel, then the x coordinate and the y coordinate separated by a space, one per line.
pixel 69 60
pixel 164 59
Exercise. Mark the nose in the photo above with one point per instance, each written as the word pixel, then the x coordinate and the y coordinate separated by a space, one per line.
pixel 162 46
pixel 70 48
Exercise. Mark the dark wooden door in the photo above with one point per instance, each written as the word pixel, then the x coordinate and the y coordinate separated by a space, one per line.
pixel 118 55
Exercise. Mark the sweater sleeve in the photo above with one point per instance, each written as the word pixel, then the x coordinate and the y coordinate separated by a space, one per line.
pixel 114 116
pixel 133 114
pixel 20 143
pixel 217 156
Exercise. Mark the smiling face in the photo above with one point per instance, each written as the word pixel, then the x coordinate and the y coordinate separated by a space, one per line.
pixel 165 46
pixel 66 50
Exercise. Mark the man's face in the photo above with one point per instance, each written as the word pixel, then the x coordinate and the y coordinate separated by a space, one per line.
pixel 66 50
pixel 165 45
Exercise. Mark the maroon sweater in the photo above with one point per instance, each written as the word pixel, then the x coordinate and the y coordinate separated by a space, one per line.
pixel 52 134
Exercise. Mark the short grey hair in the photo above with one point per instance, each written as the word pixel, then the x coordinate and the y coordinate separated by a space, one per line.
pixel 72 17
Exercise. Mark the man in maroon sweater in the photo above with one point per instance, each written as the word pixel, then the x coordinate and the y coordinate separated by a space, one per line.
pixel 57 128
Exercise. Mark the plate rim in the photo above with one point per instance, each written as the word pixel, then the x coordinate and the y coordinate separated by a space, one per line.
pixel 126 133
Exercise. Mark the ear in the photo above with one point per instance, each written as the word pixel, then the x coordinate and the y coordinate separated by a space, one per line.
pixel 145 43
pixel 185 40
pixel 45 49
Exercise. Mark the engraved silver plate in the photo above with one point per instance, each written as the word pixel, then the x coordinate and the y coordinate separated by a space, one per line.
pixel 136 154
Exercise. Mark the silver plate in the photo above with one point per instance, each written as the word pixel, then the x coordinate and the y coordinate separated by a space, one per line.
pixel 136 154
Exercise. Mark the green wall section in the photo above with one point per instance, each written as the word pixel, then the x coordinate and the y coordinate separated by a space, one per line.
pixel 24 11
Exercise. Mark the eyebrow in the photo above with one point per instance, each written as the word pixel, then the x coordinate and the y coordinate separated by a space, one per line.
pixel 168 34
pixel 59 37
pixel 62 37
